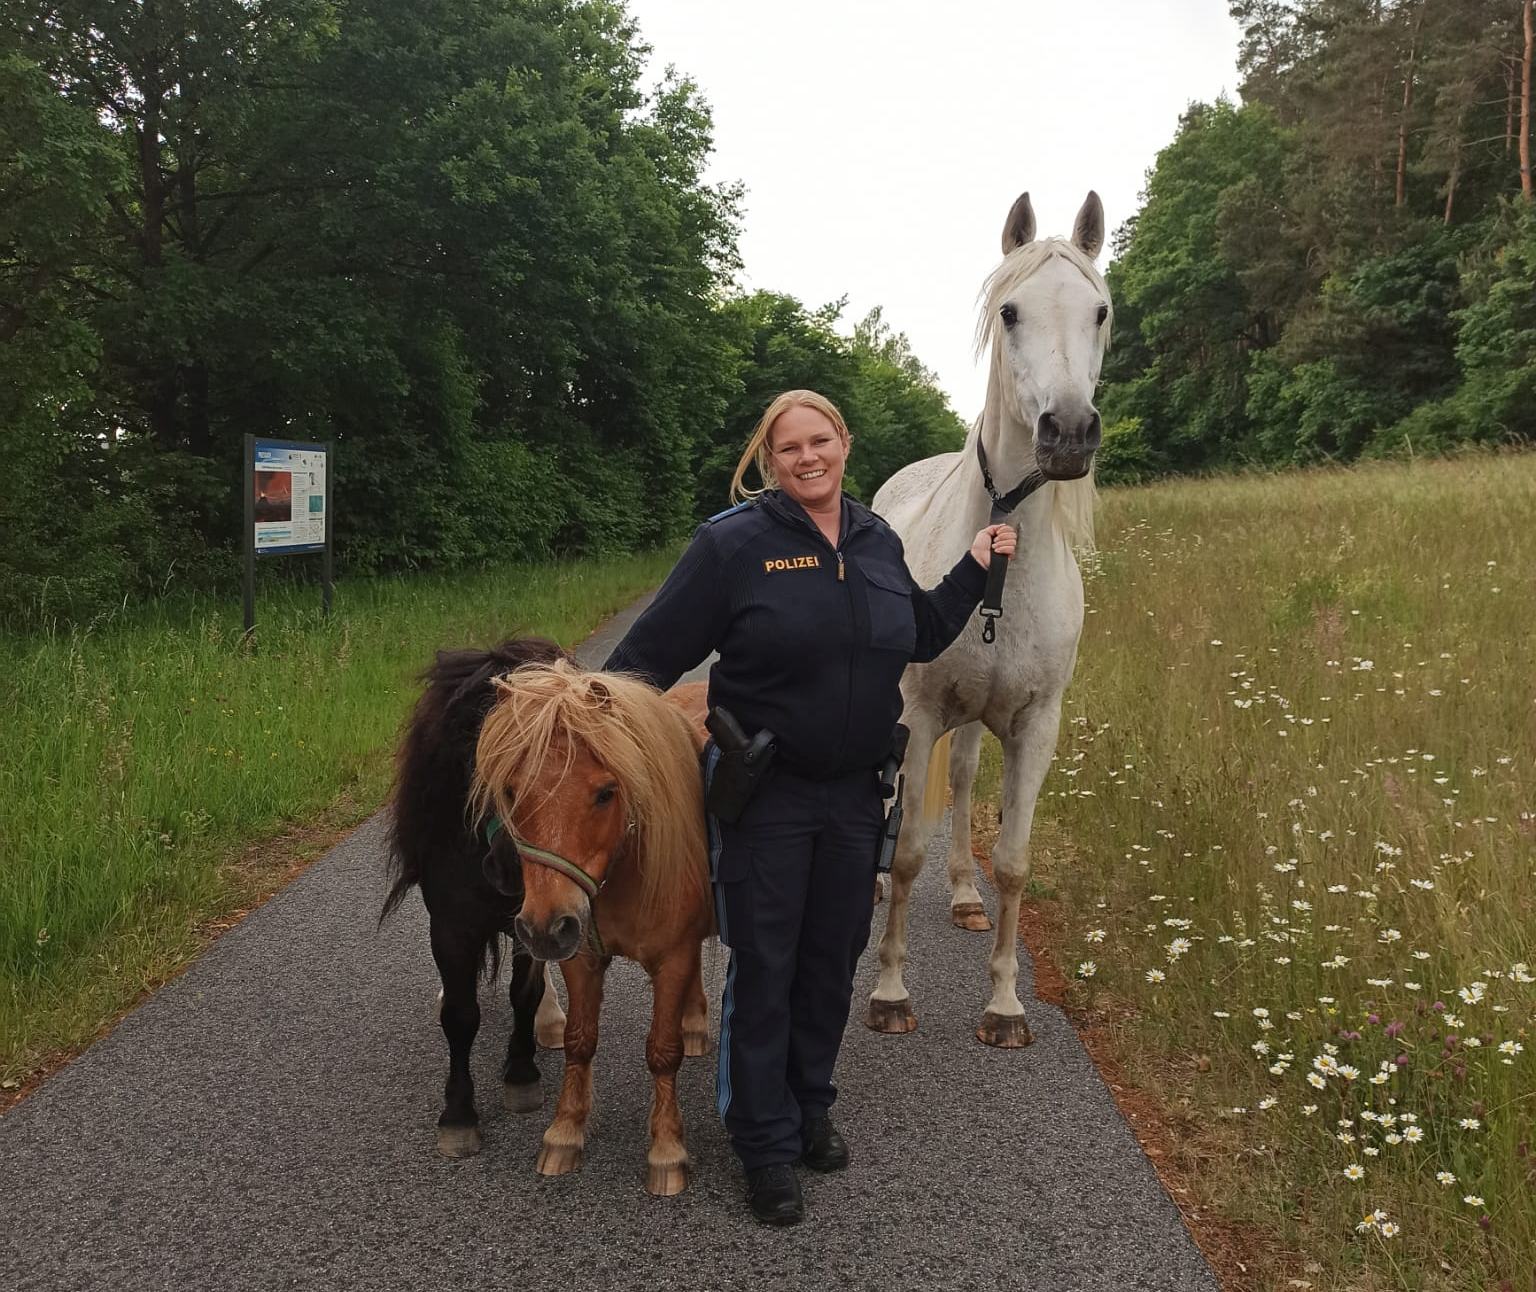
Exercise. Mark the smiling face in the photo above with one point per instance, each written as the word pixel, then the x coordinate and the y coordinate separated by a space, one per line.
pixel 808 454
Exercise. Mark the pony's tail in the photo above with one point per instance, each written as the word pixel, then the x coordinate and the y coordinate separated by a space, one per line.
pixel 938 779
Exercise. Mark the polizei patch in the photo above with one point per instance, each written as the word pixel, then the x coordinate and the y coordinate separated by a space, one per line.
pixel 792 563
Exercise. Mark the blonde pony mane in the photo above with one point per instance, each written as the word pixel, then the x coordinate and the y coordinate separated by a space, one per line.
pixel 1072 501
pixel 644 742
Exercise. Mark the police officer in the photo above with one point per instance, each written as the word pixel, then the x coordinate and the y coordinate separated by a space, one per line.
pixel 806 595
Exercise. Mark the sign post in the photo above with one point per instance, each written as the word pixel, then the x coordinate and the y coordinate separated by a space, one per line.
pixel 287 510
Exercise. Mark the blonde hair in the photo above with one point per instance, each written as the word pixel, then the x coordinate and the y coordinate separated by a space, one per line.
pixel 629 729
pixel 757 450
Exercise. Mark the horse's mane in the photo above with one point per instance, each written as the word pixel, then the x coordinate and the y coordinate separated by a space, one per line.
pixel 1072 501
pixel 544 710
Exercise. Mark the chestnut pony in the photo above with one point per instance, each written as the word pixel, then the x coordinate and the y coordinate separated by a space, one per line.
pixel 563 808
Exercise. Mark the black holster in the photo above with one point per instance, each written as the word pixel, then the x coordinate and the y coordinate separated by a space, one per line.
pixel 740 769
pixel 893 784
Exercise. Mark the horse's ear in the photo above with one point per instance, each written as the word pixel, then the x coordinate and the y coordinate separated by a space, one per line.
pixel 1019 227
pixel 1088 228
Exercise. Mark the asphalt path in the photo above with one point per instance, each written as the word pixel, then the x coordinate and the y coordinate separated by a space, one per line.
pixel 267 1121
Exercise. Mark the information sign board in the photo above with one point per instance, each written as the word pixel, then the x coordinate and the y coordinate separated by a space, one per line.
pixel 288 481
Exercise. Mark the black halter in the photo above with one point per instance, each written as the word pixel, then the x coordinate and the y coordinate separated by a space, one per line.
pixel 1003 506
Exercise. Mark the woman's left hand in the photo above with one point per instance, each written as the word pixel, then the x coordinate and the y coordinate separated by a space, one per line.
pixel 994 538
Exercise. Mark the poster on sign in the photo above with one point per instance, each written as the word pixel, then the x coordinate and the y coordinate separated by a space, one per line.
pixel 289 497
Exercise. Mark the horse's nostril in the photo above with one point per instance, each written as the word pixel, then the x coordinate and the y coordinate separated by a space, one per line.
pixel 1095 434
pixel 1048 431
pixel 566 930
pixel 523 930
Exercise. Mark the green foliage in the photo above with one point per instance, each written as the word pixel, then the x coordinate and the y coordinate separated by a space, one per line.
pixel 1125 456
pixel 1181 292
pixel 459 239
pixel 894 412
pixel 1331 270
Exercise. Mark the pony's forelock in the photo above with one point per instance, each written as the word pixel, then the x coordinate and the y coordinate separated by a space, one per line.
pixel 544 712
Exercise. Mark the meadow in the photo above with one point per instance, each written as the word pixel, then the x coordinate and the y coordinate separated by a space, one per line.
pixel 148 755
pixel 1290 835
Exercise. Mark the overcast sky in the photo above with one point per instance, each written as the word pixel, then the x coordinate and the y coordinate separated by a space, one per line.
pixel 882 142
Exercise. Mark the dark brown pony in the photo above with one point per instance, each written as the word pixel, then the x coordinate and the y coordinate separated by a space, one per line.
pixel 436 845
pixel 600 851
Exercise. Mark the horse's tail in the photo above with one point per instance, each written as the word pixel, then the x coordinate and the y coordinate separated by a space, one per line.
pixel 938 779
pixel 436 757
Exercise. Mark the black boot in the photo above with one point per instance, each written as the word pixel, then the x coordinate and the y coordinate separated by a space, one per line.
pixel 825 1149
pixel 773 1192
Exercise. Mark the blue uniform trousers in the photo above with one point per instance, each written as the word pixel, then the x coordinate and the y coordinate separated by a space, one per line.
pixel 794 895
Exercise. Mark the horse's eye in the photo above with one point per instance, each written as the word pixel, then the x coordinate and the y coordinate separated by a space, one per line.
pixel 1010 315
pixel 605 795
pixel 1103 314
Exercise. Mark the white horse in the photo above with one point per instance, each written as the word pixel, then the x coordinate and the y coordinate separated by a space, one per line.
pixel 1046 323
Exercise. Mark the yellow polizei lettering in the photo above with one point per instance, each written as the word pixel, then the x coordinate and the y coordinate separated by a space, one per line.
pixel 811 562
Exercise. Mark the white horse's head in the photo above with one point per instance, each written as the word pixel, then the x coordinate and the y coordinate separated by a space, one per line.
pixel 1046 321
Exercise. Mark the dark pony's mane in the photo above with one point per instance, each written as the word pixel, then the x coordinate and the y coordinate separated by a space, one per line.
pixel 430 826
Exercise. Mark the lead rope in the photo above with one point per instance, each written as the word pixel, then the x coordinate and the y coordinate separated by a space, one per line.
pixel 1003 506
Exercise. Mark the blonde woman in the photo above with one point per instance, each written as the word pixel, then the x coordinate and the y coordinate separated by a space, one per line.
pixel 805 594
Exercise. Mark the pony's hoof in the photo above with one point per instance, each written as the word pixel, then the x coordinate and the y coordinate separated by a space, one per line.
pixel 559 1159
pixel 893 1017
pixel 971 916
pixel 695 1044
pixel 458 1141
pixel 527 1098
pixel 666 1179
pixel 1005 1031
pixel 550 1036
pixel 880 882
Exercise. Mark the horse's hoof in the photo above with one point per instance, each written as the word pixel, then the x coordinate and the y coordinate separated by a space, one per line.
pixel 559 1159
pixel 695 1044
pixel 458 1141
pixel 1005 1031
pixel 527 1098
pixel 550 1036
pixel 971 916
pixel 893 1017
pixel 666 1179
pixel 880 883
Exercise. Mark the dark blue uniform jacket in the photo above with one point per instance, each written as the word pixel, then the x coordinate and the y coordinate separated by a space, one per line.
pixel 812 639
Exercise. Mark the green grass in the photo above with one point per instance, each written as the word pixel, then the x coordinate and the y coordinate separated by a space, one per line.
pixel 1302 740
pixel 145 754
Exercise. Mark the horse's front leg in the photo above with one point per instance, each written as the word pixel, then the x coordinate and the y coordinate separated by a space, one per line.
pixel 667 1160
pixel 695 1013
pixel 965 908
pixel 521 1089
pixel 566 1137
pixel 549 1024
pixel 890 1008
pixel 1027 752
pixel 457 950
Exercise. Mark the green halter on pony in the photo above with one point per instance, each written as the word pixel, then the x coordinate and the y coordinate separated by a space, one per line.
pixel 554 861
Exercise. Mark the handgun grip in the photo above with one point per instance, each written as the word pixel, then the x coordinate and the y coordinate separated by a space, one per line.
pixel 722 725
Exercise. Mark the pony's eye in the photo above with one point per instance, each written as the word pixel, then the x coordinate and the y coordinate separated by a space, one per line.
pixel 1103 314
pixel 605 795
pixel 1010 315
